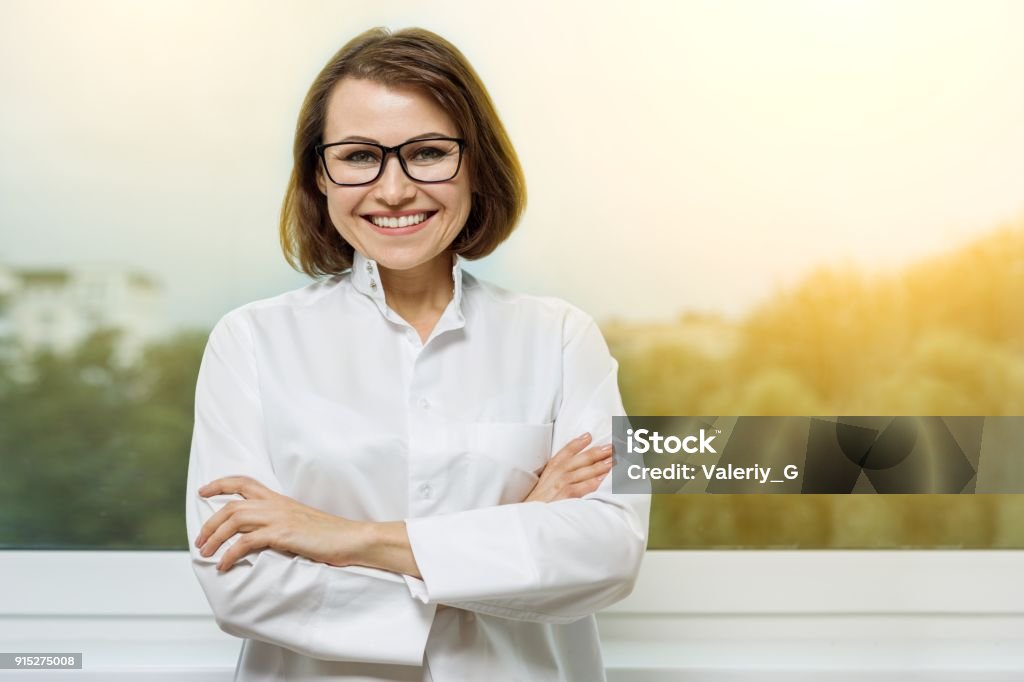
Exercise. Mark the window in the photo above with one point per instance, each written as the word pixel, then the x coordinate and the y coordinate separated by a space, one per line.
pixel 753 178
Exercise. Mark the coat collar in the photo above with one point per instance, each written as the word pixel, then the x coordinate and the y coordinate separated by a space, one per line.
pixel 366 280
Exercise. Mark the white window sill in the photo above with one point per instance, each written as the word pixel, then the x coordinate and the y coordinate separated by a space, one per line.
pixel 706 616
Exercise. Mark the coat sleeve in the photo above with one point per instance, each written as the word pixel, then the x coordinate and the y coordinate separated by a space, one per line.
pixel 322 611
pixel 550 562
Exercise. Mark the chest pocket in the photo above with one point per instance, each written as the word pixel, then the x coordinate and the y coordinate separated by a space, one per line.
pixel 499 462
pixel 520 446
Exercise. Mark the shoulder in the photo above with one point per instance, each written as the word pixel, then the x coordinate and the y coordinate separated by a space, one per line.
pixel 239 321
pixel 542 312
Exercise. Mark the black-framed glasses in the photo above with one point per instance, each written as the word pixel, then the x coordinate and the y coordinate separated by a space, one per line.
pixel 434 159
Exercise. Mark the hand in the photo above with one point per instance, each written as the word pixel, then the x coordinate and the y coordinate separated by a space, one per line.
pixel 572 472
pixel 269 519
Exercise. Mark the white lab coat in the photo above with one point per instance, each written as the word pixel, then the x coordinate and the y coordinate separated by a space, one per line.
pixel 326 395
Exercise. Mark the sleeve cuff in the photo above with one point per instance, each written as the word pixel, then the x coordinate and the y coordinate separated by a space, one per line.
pixel 395 630
pixel 417 588
pixel 465 556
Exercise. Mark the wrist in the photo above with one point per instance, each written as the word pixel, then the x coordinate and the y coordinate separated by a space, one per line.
pixel 386 546
pixel 367 537
pixel 355 538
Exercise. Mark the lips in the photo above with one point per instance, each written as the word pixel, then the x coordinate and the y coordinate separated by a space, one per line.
pixel 399 219
pixel 400 225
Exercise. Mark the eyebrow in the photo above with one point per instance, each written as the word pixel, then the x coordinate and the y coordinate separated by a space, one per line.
pixel 360 138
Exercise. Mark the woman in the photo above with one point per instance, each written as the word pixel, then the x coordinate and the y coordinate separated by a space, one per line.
pixel 371 489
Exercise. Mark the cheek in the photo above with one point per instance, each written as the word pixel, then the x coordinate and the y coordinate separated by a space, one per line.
pixel 462 200
pixel 339 209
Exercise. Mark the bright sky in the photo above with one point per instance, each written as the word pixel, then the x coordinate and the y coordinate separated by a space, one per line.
pixel 679 155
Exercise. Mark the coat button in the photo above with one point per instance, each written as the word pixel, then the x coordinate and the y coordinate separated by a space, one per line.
pixel 424 403
pixel 373 284
pixel 369 268
pixel 425 491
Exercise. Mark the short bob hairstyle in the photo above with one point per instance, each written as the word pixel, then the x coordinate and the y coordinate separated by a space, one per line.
pixel 412 57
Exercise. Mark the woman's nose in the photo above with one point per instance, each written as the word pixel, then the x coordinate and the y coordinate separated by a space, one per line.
pixel 394 186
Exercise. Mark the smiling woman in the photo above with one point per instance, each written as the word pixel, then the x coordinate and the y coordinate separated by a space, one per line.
pixel 399 472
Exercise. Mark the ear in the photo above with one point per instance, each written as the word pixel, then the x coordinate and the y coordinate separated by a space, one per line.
pixel 321 182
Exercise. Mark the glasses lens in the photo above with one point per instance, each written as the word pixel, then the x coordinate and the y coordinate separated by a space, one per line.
pixel 352 163
pixel 432 160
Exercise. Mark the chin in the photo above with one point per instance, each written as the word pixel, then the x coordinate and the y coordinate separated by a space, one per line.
pixel 398 259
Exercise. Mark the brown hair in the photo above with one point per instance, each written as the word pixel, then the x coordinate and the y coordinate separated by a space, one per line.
pixel 409 57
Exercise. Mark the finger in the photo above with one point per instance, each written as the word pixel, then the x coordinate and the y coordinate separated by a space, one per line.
pixel 590 456
pixel 214 522
pixel 574 490
pixel 234 525
pixel 246 544
pixel 577 490
pixel 572 447
pixel 595 470
pixel 245 486
pixel 238 516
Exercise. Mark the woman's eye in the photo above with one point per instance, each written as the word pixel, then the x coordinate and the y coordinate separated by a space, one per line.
pixel 428 154
pixel 360 157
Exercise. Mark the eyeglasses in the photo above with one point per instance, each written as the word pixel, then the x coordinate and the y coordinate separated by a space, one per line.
pixel 435 159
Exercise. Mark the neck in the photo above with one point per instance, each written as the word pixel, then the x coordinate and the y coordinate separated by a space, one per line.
pixel 420 291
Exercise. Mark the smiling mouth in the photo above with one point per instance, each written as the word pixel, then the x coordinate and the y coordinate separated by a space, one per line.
pixel 402 221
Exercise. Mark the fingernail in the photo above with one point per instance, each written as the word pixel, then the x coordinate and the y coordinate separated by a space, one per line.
pixel 199 541
pixel 607 448
pixel 584 437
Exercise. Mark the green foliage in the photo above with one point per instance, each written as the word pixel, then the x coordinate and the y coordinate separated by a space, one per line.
pixel 942 337
pixel 95 453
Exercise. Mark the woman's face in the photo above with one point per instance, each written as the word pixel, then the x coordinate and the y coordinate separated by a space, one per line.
pixel 390 116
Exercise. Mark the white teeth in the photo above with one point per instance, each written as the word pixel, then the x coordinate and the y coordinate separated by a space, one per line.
pixel 403 221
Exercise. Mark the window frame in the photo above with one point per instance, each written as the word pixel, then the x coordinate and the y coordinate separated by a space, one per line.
pixel 706 615
pixel 86 582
